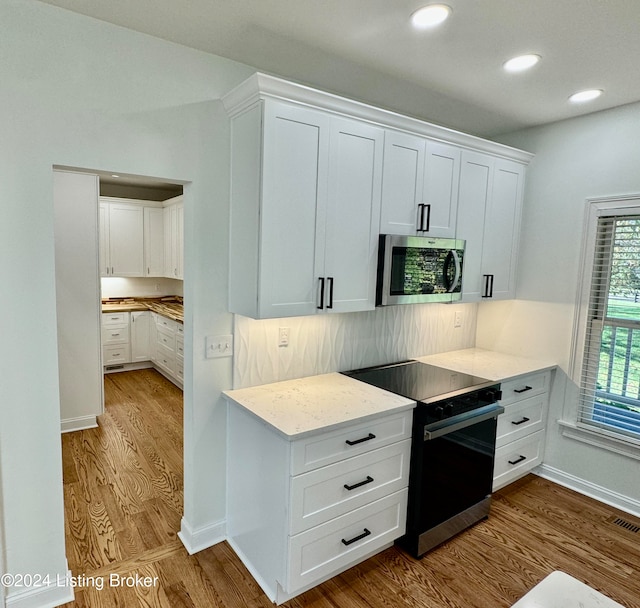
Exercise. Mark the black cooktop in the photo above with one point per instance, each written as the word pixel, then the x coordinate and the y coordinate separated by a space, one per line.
pixel 420 381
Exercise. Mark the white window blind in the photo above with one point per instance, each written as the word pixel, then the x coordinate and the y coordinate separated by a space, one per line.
pixel 609 396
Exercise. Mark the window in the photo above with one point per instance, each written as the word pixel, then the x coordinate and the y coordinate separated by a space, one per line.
pixel 609 380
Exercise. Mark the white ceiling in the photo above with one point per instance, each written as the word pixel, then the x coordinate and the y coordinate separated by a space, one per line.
pixel 367 49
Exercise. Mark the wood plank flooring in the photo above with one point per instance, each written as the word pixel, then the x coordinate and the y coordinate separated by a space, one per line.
pixel 123 503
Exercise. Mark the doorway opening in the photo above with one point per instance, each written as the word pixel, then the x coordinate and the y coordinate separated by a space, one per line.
pixel 119 279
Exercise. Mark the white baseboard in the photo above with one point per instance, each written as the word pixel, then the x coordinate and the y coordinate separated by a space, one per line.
pixel 43 597
pixel 201 538
pixel 608 497
pixel 78 424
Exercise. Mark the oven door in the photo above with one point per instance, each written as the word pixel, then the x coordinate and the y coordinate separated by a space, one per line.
pixel 451 474
pixel 419 269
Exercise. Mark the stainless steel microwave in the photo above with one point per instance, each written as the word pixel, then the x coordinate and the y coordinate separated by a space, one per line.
pixel 416 269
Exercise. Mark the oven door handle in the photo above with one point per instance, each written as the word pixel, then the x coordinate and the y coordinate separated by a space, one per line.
pixel 463 421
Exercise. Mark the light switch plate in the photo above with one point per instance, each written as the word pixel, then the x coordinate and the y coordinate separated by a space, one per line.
pixel 218 346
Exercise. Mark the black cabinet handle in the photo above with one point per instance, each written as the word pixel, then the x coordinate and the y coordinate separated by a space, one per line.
pixel 517 460
pixel 356 441
pixel 420 217
pixel 358 485
pixel 428 206
pixel 330 281
pixel 488 286
pixel 321 279
pixel 357 538
pixel 524 419
pixel 522 390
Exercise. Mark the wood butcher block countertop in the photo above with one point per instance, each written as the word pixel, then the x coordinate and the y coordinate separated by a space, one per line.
pixel 170 307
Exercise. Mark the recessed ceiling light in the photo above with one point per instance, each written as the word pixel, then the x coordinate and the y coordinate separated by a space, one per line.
pixel 521 63
pixel 587 95
pixel 430 16
pixel 114 175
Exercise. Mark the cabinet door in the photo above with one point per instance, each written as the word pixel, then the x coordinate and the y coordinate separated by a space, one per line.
pixel 294 185
pixel 126 236
pixel 179 240
pixel 170 268
pixel 440 193
pixel 476 176
pixel 140 332
pixel 153 242
pixel 103 238
pixel 353 215
pixel 402 185
pixel 502 228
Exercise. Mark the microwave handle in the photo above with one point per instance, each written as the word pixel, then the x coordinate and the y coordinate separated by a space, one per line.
pixel 452 256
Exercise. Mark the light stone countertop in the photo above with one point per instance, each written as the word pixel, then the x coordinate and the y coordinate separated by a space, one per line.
pixel 296 408
pixel 559 590
pixel 487 364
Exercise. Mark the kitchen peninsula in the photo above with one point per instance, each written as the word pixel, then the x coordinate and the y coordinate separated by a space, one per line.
pixel 335 451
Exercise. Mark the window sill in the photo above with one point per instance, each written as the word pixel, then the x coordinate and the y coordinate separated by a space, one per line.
pixel 626 447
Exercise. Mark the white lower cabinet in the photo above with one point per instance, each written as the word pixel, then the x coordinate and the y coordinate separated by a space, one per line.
pixel 116 343
pixel 521 428
pixel 302 511
pixel 169 349
pixel 140 322
pixel 134 340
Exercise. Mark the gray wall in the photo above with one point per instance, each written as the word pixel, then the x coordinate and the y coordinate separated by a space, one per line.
pixel 593 156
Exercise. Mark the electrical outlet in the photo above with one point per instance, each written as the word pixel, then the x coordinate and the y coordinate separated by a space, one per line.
pixel 283 336
pixel 218 346
pixel 457 318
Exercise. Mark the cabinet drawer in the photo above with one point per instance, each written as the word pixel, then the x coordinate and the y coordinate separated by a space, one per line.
pixel 180 368
pixel 166 359
pixel 115 335
pixel 525 387
pixel 167 323
pixel 115 318
pixel 166 339
pixel 179 328
pixel 180 345
pixel 522 418
pixel 516 458
pixel 115 355
pixel 320 551
pixel 326 448
pixel 331 491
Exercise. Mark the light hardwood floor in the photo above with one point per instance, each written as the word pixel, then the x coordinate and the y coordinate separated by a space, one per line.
pixel 123 503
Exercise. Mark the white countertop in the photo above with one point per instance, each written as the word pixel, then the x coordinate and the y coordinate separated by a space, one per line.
pixel 559 590
pixel 487 364
pixel 296 408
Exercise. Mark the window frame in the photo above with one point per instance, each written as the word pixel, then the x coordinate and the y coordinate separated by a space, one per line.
pixel 571 424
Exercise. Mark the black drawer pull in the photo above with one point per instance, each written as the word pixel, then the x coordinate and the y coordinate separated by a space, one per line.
pixel 358 485
pixel 356 441
pixel 517 460
pixel 522 390
pixel 357 538
pixel 524 419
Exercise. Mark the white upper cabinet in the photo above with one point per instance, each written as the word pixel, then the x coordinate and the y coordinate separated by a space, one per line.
pixel 294 199
pixel 173 215
pixel 420 186
pixel 502 229
pixel 315 178
pixel 491 192
pixel 126 250
pixel 304 236
pixel 353 215
pixel 131 238
pixel 153 242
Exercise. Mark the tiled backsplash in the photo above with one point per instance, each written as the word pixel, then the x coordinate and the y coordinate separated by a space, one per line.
pixel 329 343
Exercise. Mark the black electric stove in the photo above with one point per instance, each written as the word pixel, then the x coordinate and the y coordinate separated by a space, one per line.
pixel 441 393
pixel 452 447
